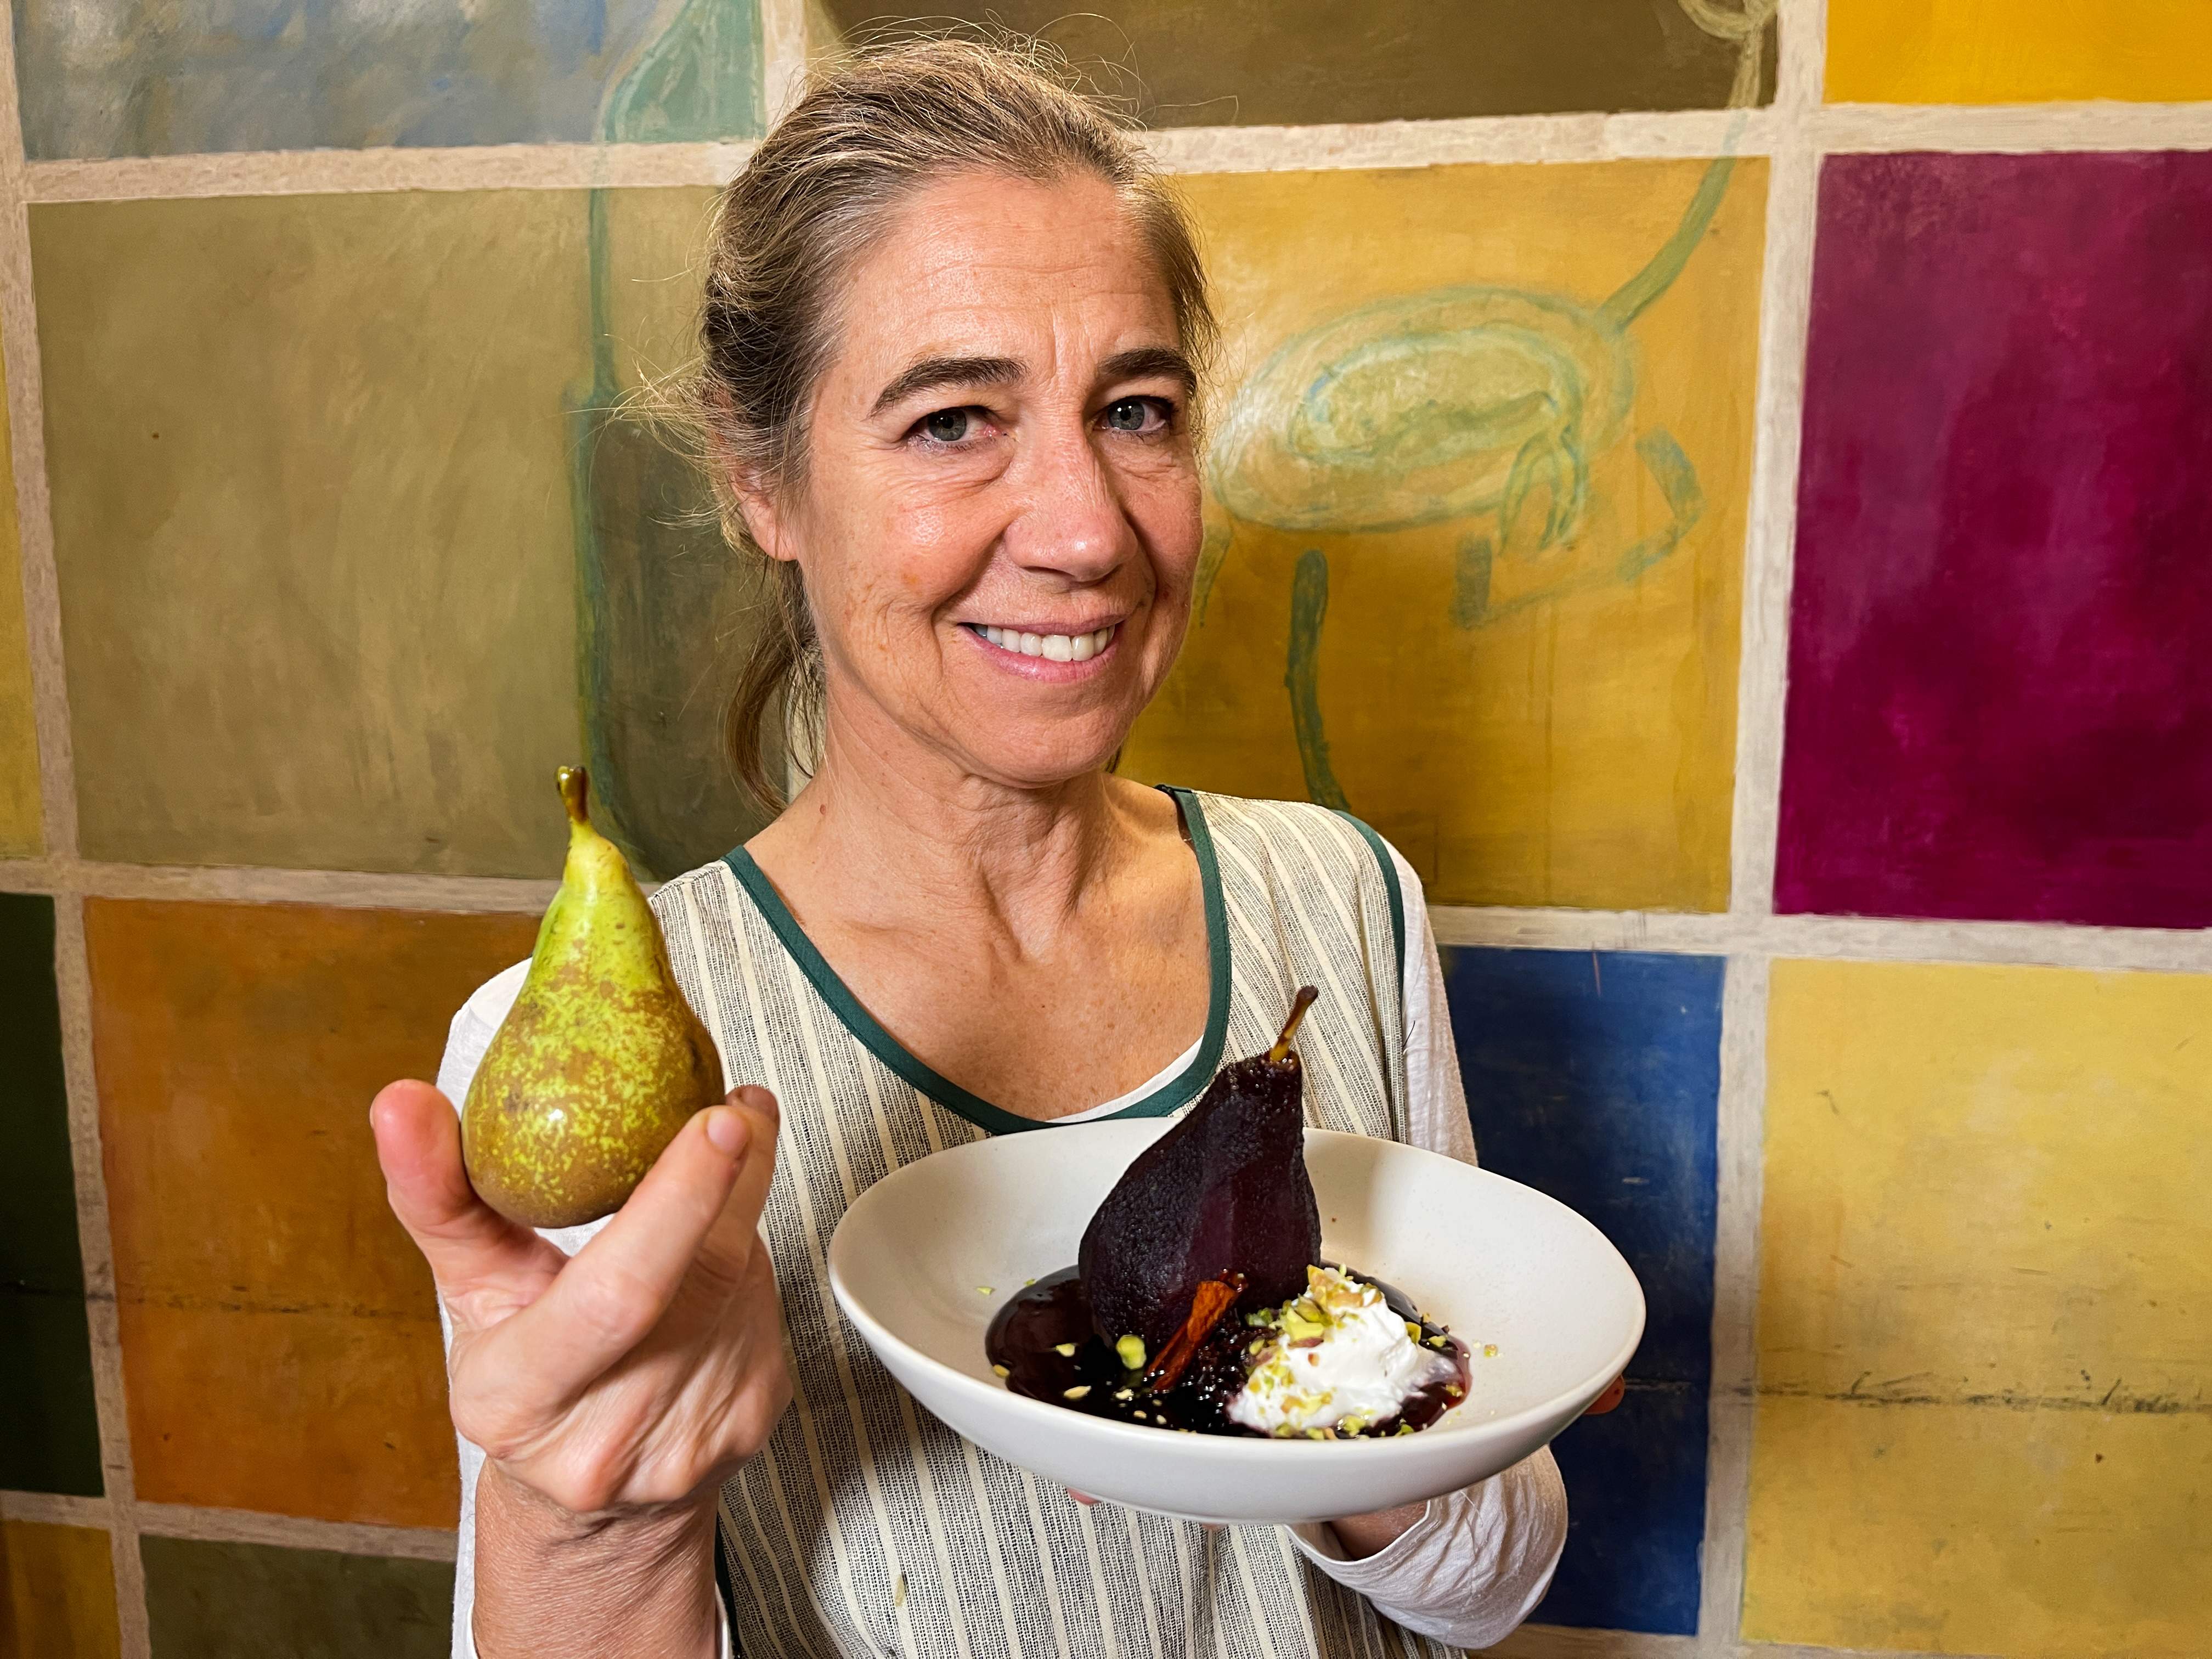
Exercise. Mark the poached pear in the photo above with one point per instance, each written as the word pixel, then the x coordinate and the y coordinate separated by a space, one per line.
pixel 1221 1199
pixel 600 1061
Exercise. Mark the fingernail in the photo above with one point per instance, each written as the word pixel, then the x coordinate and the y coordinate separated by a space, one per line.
pixel 726 1130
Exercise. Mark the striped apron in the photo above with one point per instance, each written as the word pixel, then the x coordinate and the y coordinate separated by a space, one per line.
pixel 866 1527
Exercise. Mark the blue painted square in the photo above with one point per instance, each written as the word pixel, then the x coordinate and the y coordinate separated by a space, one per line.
pixel 1595 1078
pixel 259 74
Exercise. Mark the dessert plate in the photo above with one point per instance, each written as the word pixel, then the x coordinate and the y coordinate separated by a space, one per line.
pixel 925 1257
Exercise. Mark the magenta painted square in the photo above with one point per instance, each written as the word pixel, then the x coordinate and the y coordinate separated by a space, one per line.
pixel 2000 698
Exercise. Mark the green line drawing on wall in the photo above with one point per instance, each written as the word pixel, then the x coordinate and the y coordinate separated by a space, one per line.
pixel 1308 609
pixel 665 611
pixel 1481 406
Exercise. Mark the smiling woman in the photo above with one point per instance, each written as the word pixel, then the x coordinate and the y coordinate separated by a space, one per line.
pixel 952 340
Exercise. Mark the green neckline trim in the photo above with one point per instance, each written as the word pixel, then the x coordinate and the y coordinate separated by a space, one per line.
pixel 1381 851
pixel 1170 1096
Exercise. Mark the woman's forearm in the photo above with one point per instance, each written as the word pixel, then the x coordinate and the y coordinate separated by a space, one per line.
pixel 548 1584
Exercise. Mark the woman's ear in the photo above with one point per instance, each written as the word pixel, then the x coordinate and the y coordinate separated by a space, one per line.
pixel 765 522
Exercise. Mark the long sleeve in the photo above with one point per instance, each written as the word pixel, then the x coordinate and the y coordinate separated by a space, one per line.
pixel 1477 1561
pixel 466 1042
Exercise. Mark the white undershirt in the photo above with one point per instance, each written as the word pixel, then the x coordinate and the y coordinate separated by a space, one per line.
pixel 1467 1573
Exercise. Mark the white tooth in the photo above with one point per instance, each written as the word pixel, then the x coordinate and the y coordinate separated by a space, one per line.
pixel 1106 635
pixel 1032 646
pixel 1085 647
pixel 990 633
pixel 1058 647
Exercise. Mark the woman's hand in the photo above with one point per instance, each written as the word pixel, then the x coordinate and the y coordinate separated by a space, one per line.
pixel 612 1392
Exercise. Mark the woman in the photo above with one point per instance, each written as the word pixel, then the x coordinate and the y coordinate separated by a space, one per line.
pixel 953 334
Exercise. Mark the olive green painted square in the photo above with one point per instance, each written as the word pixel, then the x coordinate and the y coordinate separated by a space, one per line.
pixel 254 1600
pixel 49 1432
pixel 1264 63
pixel 310 463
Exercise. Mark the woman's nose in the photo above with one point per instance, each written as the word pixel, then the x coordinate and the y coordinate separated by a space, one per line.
pixel 1071 520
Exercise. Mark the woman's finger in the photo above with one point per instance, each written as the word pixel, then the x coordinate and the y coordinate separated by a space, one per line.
pixel 614 1290
pixel 469 1245
pixel 1615 1392
pixel 731 1242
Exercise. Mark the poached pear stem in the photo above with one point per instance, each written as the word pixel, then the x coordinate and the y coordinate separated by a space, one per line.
pixel 1299 1004
pixel 575 794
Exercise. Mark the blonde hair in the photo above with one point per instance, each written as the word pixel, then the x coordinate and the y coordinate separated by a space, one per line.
pixel 866 136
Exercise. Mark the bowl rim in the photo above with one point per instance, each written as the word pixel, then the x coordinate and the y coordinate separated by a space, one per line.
pixel 1241 1449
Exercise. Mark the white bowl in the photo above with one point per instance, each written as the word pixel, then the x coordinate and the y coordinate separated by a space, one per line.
pixel 1503 1266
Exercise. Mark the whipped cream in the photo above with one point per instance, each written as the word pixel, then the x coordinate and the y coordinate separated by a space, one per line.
pixel 1335 1358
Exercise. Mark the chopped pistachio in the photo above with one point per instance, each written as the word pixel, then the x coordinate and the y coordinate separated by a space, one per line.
pixel 1002 1370
pixel 983 1290
pixel 1132 1350
pixel 1125 1394
pixel 1414 1332
pixel 1076 1393
pixel 1065 1350
pixel 1490 1351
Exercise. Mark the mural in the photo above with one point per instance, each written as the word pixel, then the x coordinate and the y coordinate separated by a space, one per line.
pixel 158 77
pixel 2015 52
pixel 353 472
pixel 1595 1077
pixel 1981 1424
pixel 211 1600
pixel 218 1050
pixel 20 836
pixel 57 1591
pixel 1997 706
pixel 1261 63
pixel 1489 531
pixel 52 1442
pixel 666 612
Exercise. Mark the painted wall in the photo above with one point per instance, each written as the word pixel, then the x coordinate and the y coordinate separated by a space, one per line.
pixel 1728 503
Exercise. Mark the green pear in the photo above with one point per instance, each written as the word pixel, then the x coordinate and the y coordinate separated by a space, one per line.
pixel 599 1062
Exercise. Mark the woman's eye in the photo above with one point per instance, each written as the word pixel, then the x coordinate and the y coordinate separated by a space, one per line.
pixel 1136 415
pixel 947 426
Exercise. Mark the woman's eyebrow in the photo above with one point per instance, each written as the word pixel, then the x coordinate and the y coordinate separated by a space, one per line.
pixel 933 373
pixel 1144 361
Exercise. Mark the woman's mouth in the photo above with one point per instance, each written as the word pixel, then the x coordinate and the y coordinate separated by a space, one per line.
pixel 1052 647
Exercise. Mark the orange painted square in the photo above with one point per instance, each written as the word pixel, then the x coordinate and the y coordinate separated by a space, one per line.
pixel 280 1339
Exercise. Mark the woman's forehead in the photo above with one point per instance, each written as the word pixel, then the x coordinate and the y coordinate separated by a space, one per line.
pixel 987 265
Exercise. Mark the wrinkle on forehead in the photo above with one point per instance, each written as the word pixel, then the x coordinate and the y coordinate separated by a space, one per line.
pixel 1056 277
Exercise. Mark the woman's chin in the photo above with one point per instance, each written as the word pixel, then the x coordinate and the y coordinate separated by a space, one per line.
pixel 1044 759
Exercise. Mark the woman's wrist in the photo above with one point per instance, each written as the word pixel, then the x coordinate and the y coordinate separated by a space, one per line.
pixel 548 1580
pixel 1363 1535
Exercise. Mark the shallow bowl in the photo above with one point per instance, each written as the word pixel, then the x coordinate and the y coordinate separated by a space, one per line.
pixel 927 1256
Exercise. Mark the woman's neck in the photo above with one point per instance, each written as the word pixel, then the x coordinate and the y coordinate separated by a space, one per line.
pixel 896 830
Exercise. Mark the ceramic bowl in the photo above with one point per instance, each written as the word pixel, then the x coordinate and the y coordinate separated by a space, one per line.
pixel 927 1256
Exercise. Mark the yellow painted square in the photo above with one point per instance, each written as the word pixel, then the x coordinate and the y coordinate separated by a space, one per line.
pixel 2018 51
pixel 1508 411
pixel 57 1592
pixel 20 835
pixel 1983 1424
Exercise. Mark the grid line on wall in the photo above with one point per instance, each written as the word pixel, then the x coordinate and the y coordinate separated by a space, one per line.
pixel 1796 132
pixel 41 599
pixel 1677 932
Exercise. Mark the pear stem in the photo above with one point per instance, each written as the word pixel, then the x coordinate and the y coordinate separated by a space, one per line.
pixel 1299 1004
pixel 575 794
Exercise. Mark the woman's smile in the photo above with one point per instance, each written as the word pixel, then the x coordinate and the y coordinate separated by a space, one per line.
pixel 1041 654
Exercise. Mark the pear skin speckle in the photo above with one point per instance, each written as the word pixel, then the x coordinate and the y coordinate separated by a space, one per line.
pixel 600 1061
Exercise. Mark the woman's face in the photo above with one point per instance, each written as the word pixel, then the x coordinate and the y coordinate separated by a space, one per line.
pixel 1000 521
